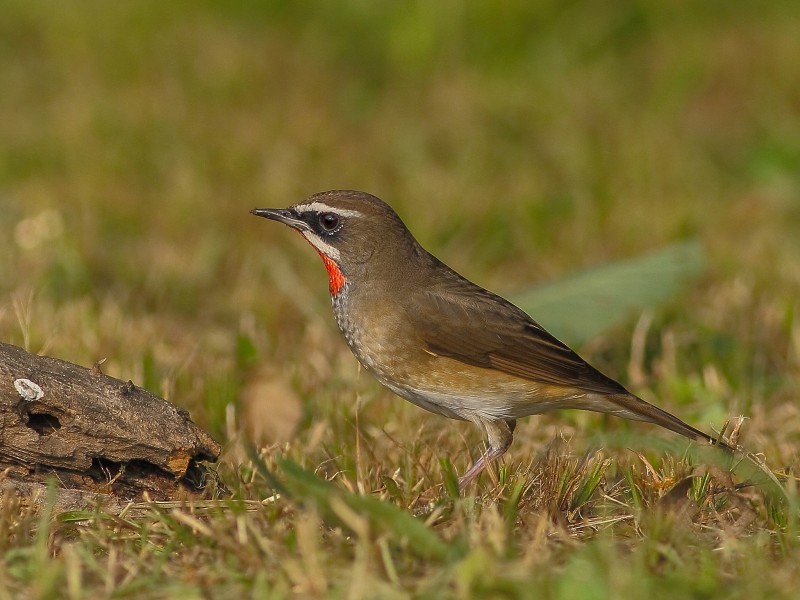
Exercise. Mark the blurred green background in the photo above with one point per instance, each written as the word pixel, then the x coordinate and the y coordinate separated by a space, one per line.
pixel 520 141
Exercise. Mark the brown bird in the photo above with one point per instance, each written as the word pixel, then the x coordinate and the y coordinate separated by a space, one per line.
pixel 442 342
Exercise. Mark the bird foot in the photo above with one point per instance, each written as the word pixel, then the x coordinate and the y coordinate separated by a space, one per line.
pixel 479 465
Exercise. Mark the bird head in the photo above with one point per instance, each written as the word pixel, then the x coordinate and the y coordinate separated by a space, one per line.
pixel 355 233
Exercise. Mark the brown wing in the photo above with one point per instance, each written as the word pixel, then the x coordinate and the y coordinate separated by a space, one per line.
pixel 491 332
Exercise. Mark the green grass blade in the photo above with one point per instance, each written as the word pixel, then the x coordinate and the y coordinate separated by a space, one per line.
pixel 449 477
pixel 401 527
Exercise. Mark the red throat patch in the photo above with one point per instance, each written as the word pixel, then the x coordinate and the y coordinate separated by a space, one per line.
pixel 335 277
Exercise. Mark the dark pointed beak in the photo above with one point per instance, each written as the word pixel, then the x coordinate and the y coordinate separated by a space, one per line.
pixel 281 215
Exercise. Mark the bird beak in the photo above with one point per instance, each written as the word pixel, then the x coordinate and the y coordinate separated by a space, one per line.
pixel 281 215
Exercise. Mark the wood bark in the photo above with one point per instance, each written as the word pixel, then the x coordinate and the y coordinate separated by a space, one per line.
pixel 95 433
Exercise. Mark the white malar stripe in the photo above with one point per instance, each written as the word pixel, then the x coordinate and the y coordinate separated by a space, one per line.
pixel 321 246
pixel 320 207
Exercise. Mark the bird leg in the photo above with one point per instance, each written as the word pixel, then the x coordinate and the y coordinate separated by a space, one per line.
pixel 499 434
pixel 479 465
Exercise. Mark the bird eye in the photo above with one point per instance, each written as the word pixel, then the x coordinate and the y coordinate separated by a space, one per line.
pixel 329 221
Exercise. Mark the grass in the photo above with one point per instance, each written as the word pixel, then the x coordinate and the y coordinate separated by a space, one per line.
pixel 521 143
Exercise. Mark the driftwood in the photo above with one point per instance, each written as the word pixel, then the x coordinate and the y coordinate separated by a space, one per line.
pixel 94 433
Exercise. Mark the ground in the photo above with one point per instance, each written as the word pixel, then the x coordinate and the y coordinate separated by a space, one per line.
pixel 521 142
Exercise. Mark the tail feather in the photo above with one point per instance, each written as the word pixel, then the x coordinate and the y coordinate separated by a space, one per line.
pixel 636 408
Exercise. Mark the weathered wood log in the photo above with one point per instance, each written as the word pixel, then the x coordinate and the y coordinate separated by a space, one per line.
pixel 95 432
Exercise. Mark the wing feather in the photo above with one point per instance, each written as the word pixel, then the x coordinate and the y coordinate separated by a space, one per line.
pixel 494 334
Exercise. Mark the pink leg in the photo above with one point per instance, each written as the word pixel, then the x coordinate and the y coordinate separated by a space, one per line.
pixel 500 435
pixel 479 465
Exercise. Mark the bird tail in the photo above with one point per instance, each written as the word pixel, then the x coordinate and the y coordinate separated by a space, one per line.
pixel 633 407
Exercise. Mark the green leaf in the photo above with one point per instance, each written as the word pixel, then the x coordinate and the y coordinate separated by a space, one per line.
pixel 581 306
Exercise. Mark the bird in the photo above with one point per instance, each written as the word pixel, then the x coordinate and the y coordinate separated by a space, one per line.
pixel 446 344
